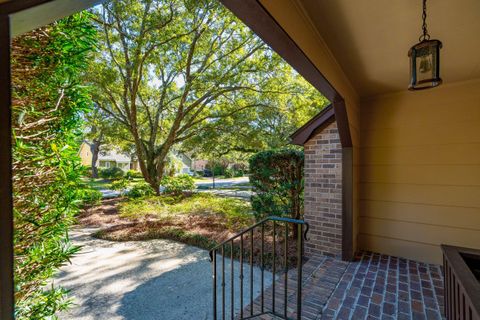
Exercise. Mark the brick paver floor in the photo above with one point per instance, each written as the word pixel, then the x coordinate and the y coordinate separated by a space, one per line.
pixel 375 286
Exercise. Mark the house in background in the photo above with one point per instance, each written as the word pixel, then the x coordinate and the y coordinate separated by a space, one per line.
pixel 199 165
pixel 186 163
pixel 115 158
pixel 107 159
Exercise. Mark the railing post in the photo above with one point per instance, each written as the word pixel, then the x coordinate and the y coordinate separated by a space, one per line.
pixel 251 232
pixel 251 273
pixel 232 285
pixel 273 267
pixel 262 267
pixel 241 276
pixel 299 269
pixel 285 270
pixel 214 266
pixel 223 282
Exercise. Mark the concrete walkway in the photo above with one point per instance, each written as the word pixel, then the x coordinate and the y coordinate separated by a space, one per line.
pixel 156 279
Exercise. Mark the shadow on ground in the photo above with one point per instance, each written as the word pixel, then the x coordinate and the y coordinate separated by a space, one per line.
pixel 156 279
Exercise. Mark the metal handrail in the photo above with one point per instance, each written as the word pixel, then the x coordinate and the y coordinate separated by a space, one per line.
pixel 271 218
pixel 220 248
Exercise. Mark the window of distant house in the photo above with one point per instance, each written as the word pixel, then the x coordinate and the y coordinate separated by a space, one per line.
pixel 105 164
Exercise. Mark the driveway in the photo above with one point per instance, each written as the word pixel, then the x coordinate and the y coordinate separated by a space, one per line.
pixel 156 279
pixel 222 182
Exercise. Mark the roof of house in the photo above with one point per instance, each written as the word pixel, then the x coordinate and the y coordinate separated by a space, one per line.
pixel 303 134
pixel 113 155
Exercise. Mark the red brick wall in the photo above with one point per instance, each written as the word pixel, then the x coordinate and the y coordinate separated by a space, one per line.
pixel 323 192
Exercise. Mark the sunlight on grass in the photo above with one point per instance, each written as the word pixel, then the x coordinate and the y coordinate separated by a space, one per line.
pixel 235 212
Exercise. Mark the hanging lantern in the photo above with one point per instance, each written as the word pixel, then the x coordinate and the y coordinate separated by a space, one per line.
pixel 425 60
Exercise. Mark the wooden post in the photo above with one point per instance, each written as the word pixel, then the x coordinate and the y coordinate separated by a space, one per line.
pixel 6 201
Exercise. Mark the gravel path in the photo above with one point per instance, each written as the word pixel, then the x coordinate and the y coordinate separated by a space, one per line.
pixel 156 279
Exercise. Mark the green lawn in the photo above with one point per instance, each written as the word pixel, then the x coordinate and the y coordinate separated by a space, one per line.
pixel 235 213
pixel 100 183
pixel 97 183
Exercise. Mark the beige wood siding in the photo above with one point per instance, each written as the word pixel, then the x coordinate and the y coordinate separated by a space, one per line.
pixel 85 154
pixel 420 171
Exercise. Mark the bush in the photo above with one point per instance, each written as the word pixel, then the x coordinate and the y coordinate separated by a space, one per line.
pixel 86 171
pixel 229 173
pixel 48 100
pixel 277 178
pixel 112 173
pixel 119 184
pixel 239 173
pixel 139 190
pixel 132 174
pixel 178 184
pixel 89 196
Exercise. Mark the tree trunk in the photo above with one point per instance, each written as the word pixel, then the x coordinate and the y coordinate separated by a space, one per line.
pixel 95 149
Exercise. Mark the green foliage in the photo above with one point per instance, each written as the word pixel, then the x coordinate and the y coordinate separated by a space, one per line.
pixel 120 184
pixel 89 196
pixel 239 173
pixel 218 168
pixel 229 173
pixel 86 171
pixel 277 178
pixel 112 173
pixel 178 184
pixel 140 190
pixel 48 99
pixel 132 174
pixel 235 213
pixel 196 77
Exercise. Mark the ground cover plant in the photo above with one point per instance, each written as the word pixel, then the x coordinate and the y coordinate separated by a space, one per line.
pixel 199 219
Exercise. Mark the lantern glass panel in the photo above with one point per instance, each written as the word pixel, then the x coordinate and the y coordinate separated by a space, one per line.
pixel 424 65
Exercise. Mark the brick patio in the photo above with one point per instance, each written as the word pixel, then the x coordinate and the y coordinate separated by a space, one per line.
pixel 373 287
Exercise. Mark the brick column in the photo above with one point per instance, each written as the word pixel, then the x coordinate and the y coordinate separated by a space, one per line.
pixel 323 192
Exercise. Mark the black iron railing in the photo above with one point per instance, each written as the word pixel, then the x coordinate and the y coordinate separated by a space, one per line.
pixel 258 256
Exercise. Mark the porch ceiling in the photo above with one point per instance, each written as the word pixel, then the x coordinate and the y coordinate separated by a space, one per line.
pixel 370 38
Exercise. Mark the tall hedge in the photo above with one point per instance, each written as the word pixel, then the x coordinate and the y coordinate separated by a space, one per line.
pixel 48 99
pixel 277 179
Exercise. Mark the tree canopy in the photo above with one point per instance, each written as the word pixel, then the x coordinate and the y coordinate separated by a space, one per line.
pixel 189 73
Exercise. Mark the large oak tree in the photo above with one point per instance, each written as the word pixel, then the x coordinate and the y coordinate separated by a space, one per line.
pixel 167 69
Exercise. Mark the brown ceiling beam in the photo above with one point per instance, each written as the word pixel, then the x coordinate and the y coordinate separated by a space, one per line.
pixel 26 15
pixel 257 18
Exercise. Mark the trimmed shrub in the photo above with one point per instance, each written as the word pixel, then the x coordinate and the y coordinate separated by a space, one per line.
pixel 89 196
pixel 132 174
pixel 112 173
pixel 229 173
pixel 139 190
pixel 277 178
pixel 239 173
pixel 119 184
pixel 179 184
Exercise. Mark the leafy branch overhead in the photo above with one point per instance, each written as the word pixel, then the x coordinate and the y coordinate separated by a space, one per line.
pixel 172 71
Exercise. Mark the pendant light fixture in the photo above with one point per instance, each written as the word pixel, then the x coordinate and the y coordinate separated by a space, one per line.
pixel 425 59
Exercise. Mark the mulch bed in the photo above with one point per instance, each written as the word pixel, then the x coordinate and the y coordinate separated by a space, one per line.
pixel 204 231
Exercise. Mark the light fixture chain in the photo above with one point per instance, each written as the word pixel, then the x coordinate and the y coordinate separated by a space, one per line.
pixel 425 35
